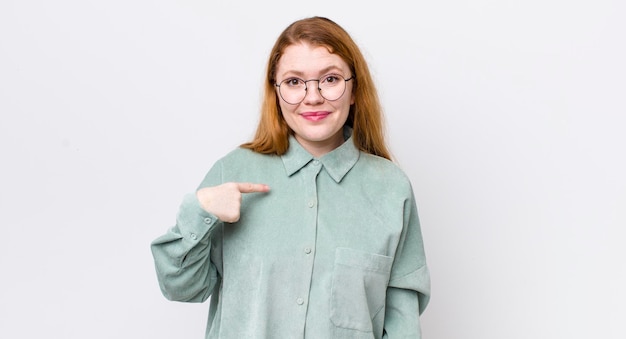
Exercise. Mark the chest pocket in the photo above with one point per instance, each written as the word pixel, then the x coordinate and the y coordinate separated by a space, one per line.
pixel 359 289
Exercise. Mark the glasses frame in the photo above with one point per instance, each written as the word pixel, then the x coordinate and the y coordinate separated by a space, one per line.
pixel 306 87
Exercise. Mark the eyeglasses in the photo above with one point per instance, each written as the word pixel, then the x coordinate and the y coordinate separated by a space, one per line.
pixel 331 87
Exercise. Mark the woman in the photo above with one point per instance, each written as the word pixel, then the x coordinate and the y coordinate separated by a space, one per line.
pixel 309 230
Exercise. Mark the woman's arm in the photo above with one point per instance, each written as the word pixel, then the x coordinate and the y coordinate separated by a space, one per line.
pixel 408 291
pixel 182 256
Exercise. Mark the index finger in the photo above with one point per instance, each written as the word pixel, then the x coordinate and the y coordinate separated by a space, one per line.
pixel 248 187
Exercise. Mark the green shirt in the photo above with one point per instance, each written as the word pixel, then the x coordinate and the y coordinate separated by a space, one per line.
pixel 334 250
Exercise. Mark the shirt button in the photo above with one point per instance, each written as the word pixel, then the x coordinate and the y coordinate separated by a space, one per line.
pixel 316 162
pixel 207 220
pixel 311 203
pixel 307 250
pixel 193 236
pixel 300 301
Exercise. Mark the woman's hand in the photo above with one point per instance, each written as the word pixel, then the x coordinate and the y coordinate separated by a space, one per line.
pixel 224 201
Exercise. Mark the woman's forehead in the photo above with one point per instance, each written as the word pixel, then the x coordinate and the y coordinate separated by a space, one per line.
pixel 306 59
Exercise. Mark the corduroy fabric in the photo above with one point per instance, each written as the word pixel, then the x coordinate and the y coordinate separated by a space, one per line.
pixel 334 250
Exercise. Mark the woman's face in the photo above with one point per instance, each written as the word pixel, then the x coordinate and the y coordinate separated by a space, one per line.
pixel 316 121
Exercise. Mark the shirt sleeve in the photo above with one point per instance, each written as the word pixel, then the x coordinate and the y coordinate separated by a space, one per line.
pixel 408 291
pixel 187 257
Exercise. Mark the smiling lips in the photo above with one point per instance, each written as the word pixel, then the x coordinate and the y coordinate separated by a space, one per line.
pixel 315 116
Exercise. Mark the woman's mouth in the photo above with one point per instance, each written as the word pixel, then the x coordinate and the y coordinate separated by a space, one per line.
pixel 314 116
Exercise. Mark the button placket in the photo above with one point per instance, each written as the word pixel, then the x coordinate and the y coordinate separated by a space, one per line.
pixel 309 227
pixel 311 187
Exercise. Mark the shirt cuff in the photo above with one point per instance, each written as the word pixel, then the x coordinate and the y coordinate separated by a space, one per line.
pixel 195 223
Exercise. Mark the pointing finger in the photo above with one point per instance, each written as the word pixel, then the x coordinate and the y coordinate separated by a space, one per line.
pixel 252 188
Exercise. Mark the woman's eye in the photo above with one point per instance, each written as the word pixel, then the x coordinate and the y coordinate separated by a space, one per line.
pixel 331 79
pixel 293 82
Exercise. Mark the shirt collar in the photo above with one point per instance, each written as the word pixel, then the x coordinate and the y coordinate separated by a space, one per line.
pixel 337 163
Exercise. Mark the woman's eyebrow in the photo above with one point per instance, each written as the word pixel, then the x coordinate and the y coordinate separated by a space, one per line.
pixel 321 72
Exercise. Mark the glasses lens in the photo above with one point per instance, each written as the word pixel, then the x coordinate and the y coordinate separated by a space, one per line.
pixel 332 87
pixel 292 90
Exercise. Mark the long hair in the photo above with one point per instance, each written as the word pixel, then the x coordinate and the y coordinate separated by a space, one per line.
pixel 365 116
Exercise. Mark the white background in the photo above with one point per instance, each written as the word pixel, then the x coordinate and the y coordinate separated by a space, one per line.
pixel 508 116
